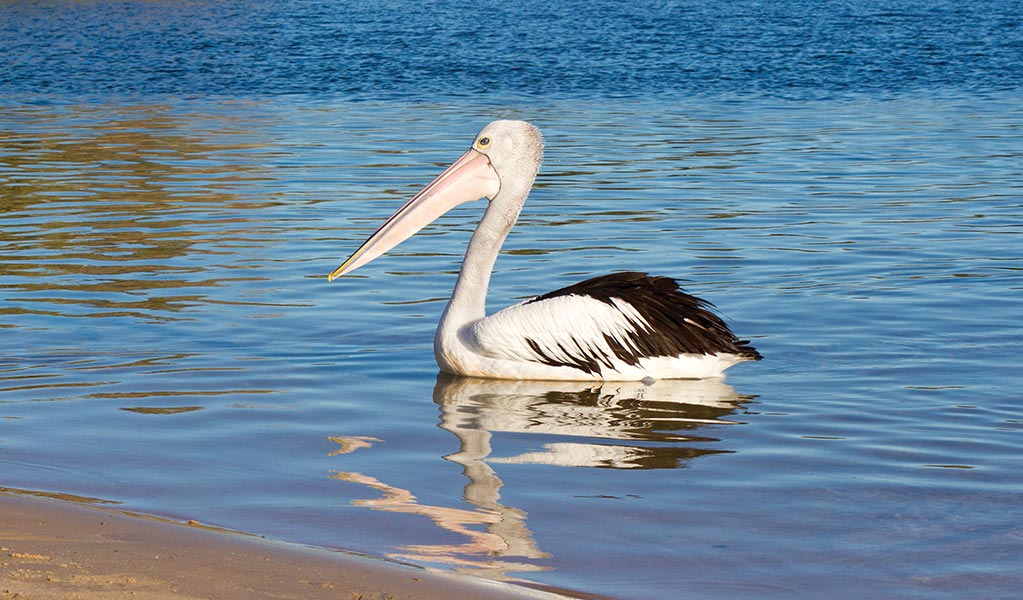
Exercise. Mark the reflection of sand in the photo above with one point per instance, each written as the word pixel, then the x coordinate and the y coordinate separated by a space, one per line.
pixel 624 425
pixel 61 551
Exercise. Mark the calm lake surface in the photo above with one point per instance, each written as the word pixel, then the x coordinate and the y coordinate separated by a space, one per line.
pixel 845 182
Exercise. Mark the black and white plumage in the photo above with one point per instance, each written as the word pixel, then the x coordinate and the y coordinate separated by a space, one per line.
pixel 623 326
pixel 609 323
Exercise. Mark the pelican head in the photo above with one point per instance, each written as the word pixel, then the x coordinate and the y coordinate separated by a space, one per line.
pixel 500 165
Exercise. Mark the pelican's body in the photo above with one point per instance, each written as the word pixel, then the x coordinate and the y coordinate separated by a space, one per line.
pixel 625 326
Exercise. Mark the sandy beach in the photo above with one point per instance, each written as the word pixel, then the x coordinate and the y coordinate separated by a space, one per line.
pixel 50 549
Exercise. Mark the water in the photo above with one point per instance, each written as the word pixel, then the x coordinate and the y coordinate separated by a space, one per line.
pixel 843 181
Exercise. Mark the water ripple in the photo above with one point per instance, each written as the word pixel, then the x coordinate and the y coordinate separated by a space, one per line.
pixel 168 339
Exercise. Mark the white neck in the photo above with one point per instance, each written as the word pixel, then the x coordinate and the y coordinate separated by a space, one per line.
pixel 469 299
pixel 516 164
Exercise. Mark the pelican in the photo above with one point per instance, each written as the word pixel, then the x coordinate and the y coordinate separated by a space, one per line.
pixel 618 327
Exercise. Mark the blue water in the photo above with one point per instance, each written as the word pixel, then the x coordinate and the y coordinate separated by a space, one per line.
pixel 843 180
pixel 423 51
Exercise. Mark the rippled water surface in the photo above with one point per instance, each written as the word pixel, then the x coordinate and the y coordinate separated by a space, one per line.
pixel 168 339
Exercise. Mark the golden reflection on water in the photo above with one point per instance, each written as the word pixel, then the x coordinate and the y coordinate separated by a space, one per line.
pixel 103 209
pixel 615 425
pixel 161 410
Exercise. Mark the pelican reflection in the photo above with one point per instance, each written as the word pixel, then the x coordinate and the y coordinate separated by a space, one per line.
pixel 619 425
pixel 622 425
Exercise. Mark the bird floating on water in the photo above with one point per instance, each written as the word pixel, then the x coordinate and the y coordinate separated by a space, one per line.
pixel 618 327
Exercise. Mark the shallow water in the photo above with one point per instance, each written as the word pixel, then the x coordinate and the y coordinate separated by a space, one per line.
pixel 168 339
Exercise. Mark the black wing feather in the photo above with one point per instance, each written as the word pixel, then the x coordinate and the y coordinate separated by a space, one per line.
pixel 679 322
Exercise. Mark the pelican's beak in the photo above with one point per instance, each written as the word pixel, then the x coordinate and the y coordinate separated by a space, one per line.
pixel 471 177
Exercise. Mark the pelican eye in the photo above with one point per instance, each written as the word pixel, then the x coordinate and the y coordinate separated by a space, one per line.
pixel 483 143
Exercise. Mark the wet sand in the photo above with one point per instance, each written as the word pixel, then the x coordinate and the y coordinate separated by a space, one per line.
pixel 51 549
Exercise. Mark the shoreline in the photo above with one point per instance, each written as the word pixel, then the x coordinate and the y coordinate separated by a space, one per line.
pixel 56 549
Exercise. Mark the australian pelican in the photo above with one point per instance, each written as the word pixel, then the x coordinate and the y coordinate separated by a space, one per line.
pixel 623 326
